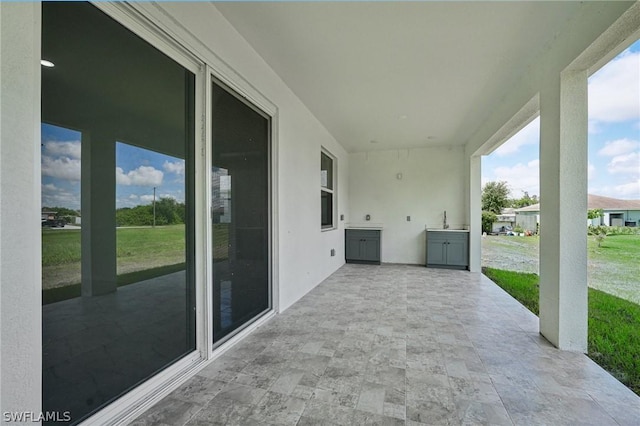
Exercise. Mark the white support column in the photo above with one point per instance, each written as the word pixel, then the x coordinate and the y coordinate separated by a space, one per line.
pixel 20 230
pixel 475 213
pixel 563 211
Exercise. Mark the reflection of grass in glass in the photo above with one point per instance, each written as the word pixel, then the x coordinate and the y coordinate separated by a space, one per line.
pixel 60 246
pixel 146 247
pixel 138 249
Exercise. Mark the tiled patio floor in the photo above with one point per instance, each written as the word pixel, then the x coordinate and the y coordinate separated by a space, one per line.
pixel 397 344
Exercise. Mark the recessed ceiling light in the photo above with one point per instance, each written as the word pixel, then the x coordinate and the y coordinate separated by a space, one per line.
pixel 402 117
pixel 46 63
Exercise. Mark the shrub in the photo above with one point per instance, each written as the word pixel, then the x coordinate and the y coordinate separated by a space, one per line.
pixel 488 218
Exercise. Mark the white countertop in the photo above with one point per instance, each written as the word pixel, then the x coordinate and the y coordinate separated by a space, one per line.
pixel 446 230
pixel 371 226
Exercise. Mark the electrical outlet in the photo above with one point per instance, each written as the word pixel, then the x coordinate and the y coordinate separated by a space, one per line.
pixel 408 218
pixel 333 252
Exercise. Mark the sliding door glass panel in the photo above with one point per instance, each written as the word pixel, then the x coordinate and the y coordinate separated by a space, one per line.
pixel 240 194
pixel 118 209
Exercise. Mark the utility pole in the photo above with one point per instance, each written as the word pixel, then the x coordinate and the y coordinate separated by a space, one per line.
pixel 154 206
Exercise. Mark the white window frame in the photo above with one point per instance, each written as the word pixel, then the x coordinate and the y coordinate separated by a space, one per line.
pixel 333 191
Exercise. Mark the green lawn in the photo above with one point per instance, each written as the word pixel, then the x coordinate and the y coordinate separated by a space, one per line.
pixel 614 324
pixel 613 268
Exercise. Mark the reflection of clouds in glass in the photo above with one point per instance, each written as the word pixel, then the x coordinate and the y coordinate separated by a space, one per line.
pixel 63 149
pixel 142 176
pixel 61 168
pixel 176 167
pixel 138 170
pixel 55 196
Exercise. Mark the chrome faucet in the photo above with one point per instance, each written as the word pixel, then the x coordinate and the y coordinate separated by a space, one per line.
pixel 444 222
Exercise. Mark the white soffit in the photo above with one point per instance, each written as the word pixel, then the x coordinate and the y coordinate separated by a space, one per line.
pixel 408 74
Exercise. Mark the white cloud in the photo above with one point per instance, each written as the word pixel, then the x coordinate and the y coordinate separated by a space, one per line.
pixel 142 176
pixel 133 197
pixel 69 149
pixel 521 177
pixel 176 167
pixel 591 171
pixel 528 135
pixel 625 164
pixel 619 147
pixel 146 198
pixel 613 90
pixel 628 191
pixel 62 168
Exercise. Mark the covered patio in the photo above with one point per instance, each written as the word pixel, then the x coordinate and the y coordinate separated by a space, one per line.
pixel 398 344
pixel 366 115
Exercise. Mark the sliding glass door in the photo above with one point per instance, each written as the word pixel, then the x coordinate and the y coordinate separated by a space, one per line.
pixel 118 210
pixel 240 212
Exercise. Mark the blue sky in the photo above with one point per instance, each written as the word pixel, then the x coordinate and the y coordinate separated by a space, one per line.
pixel 137 172
pixel 613 137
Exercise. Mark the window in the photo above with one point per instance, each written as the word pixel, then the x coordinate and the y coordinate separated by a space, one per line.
pixel 327 191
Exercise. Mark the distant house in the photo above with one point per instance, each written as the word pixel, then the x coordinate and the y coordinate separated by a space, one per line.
pixel 528 217
pixel 616 212
pixel 48 215
pixel 506 218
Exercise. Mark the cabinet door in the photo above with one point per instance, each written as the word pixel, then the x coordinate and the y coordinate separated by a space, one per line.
pixel 371 249
pixel 436 252
pixel 457 252
pixel 353 250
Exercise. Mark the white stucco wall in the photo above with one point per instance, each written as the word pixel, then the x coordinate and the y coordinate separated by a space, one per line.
pixel 433 180
pixel 303 256
pixel 20 297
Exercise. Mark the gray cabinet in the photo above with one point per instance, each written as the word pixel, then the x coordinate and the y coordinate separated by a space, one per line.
pixel 362 246
pixel 448 249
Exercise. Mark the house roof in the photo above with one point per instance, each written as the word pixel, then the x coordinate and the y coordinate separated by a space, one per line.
pixel 596 202
pixel 531 208
pixel 606 203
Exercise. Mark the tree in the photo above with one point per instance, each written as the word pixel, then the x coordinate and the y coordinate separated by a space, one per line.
pixel 488 218
pixel 595 213
pixel 495 197
pixel 525 201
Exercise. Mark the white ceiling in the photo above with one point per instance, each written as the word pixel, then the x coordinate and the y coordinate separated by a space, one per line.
pixel 406 74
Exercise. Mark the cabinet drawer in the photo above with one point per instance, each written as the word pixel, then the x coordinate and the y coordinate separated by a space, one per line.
pixel 363 233
pixel 456 236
